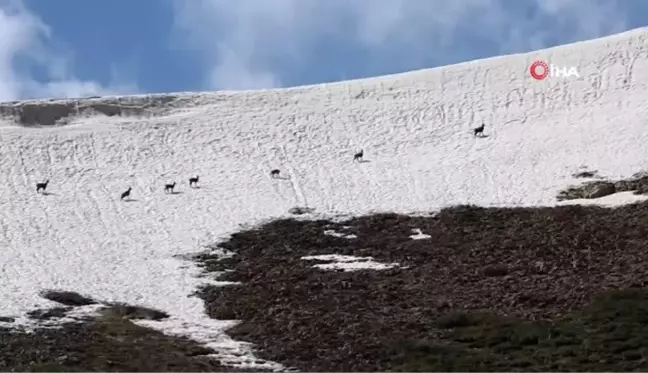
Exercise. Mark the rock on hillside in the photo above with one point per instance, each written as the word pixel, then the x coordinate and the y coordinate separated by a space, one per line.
pixel 52 112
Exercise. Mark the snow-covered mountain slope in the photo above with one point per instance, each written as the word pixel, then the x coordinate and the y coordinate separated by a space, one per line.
pixel 415 129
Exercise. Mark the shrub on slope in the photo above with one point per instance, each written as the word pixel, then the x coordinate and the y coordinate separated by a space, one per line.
pixel 531 265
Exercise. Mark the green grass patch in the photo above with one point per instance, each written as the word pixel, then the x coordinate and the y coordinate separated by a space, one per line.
pixel 611 334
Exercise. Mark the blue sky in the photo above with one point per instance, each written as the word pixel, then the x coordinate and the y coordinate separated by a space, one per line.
pixel 76 48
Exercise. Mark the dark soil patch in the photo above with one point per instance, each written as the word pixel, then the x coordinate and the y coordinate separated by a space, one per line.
pixel 492 289
pixel 134 312
pixel 107 343
pixel 585 174
pixel 49 313
pixel 301 210
pixel 68 298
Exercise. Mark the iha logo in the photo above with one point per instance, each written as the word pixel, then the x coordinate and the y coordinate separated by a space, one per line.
pixel 539 70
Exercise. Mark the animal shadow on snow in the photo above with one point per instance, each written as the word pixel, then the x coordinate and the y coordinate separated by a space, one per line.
pixel 175 192
pixel 282 177
pixel 49 194
pixel 130 200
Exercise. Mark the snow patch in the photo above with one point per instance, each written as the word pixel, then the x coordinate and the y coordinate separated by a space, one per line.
pixel 348 263
pixel 612 200
pixel 333 233
pixel 419 235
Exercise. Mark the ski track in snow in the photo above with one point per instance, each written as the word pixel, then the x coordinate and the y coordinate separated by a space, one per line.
pixel 415 129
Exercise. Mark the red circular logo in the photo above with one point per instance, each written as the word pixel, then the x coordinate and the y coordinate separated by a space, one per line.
pixel 539 70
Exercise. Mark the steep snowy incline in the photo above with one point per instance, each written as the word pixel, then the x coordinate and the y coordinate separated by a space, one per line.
pixel 415 129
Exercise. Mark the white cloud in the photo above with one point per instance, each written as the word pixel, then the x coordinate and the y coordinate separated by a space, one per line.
pixel 244 43
pixel 24 46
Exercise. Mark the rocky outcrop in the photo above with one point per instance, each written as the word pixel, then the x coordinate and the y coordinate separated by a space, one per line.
pixel 595 189
pixel 585 174
pixel 598 189
pixel 55 112
pixel 68 298
pixel 52 113
pixel 639 184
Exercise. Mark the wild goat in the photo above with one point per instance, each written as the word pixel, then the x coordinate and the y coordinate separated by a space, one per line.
pixel 274 173
pixel 193 181
pixel 41 186
pixel 479 130
pixel 126 193
pixel 169 187
pixel 358 156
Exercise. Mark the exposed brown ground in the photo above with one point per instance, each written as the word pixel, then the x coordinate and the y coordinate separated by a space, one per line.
pixel 110 342
pixel 529 264
pixel 533 289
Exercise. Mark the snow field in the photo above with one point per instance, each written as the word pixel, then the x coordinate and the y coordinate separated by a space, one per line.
pixel 415 130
